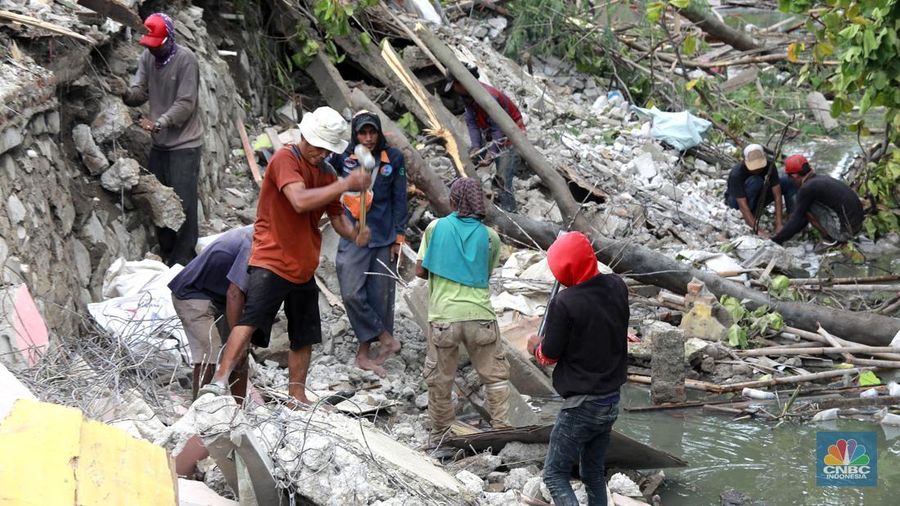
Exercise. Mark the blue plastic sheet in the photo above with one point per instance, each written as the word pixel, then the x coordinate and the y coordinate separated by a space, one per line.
pixel 681 130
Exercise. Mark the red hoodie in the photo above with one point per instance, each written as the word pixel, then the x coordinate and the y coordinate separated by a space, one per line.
pixel 571 259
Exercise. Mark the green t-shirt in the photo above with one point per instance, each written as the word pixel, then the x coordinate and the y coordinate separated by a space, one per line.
pixel 449 301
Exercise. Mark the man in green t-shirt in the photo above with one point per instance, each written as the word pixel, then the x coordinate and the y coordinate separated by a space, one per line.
pixel 456 256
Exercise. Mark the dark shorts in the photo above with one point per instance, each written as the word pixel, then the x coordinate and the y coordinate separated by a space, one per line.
pixel 265 294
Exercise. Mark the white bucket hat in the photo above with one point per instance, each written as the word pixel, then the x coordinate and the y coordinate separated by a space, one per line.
pixel 325 128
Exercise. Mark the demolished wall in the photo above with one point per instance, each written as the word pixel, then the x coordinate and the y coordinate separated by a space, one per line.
pixel 61 132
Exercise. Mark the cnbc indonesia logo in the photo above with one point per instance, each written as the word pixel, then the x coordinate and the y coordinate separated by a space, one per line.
pixel 849 461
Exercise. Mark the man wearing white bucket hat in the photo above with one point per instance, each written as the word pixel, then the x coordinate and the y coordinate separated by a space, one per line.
pixel 297 189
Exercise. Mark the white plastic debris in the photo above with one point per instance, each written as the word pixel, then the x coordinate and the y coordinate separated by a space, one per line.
pixel 885 418
pixel 872 392
pixel 752 393
pixel 824 416
pixel 893 388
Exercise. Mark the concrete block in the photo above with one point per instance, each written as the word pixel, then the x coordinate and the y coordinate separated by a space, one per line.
pixel 113 119
pixel 15 209
pixel 160 201
pixel 666 363
pixel 91 155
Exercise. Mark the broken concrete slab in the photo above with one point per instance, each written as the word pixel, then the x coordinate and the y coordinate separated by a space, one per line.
pixel 160 201
pixel 91 155
pixel 71 460
pixel 238 452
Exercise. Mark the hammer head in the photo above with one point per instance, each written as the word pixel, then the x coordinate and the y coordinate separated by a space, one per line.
pixel 364 156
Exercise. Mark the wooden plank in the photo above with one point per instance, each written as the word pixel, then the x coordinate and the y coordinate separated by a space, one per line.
pixel 248 151
pixel 50 27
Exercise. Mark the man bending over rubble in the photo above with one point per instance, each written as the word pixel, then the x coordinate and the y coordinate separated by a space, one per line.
pixel 489 143
pixel 297 189
pixel 208 296
pixel 457 256
pixel 586 337
pixel 369 298
pixel 828 204
pixel 745 188
pixel 168 75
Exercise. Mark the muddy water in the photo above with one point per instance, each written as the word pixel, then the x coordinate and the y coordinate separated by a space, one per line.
pixel 772 466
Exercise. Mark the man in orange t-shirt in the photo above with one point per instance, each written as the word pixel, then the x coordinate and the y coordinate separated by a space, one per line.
pixel 297 189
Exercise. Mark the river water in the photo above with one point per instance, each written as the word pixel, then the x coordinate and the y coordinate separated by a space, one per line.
pixel 772 466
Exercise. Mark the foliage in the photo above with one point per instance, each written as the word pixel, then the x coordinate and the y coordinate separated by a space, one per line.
pixel 862 36
pixel 334 18
pixel 408 122
pixel 748 324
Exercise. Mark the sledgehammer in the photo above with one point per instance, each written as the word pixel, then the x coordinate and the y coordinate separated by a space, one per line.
pixel 368 162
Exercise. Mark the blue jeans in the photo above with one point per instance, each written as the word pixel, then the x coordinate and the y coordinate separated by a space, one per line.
pixel 505 168
pixel 580 436
pixel 753 185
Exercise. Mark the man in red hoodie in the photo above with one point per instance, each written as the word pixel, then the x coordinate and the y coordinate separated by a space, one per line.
pixel 586 337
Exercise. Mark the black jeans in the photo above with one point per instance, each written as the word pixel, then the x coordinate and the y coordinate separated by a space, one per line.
pixel 180 170
pixel 580 436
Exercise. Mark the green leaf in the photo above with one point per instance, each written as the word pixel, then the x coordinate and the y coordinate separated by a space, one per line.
pixel 734 307
pixel 736 336
pixel 779 283
pixel 654 11
pixel 689 45
pixel 364 39
pixel 681 4
pixel 868 378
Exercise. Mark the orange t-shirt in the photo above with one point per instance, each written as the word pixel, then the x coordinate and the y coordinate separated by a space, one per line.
pixel 284 241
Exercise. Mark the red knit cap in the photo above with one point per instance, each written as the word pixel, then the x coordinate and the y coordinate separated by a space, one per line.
pixel 794 164
pixel 571 259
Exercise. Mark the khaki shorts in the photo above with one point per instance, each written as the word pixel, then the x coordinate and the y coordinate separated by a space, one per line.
pixel 198 318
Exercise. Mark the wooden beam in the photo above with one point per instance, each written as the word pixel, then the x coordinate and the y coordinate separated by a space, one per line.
pixel 115 11
pixel 248 151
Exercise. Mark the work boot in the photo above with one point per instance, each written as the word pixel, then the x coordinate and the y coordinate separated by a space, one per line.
pixel 213 388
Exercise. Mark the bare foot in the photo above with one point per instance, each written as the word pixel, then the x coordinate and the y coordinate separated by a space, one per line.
pixel 298 404
pixel 367 364
pixel 389 346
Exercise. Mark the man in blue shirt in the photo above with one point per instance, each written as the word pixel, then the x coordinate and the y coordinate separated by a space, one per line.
pixel 369 298
pixel 211 286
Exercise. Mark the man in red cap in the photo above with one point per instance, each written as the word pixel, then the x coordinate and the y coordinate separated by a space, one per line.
pixel 830 205
pixel 586 337
pixel 168 76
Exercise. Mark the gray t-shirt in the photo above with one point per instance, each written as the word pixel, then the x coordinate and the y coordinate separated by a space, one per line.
pixel 173 92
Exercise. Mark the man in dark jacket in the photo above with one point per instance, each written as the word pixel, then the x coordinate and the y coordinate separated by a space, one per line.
pixel 489 143
pixel 830 205
pixel 586 337
pixel 168 75
pixel 745 188
pixel 369 298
